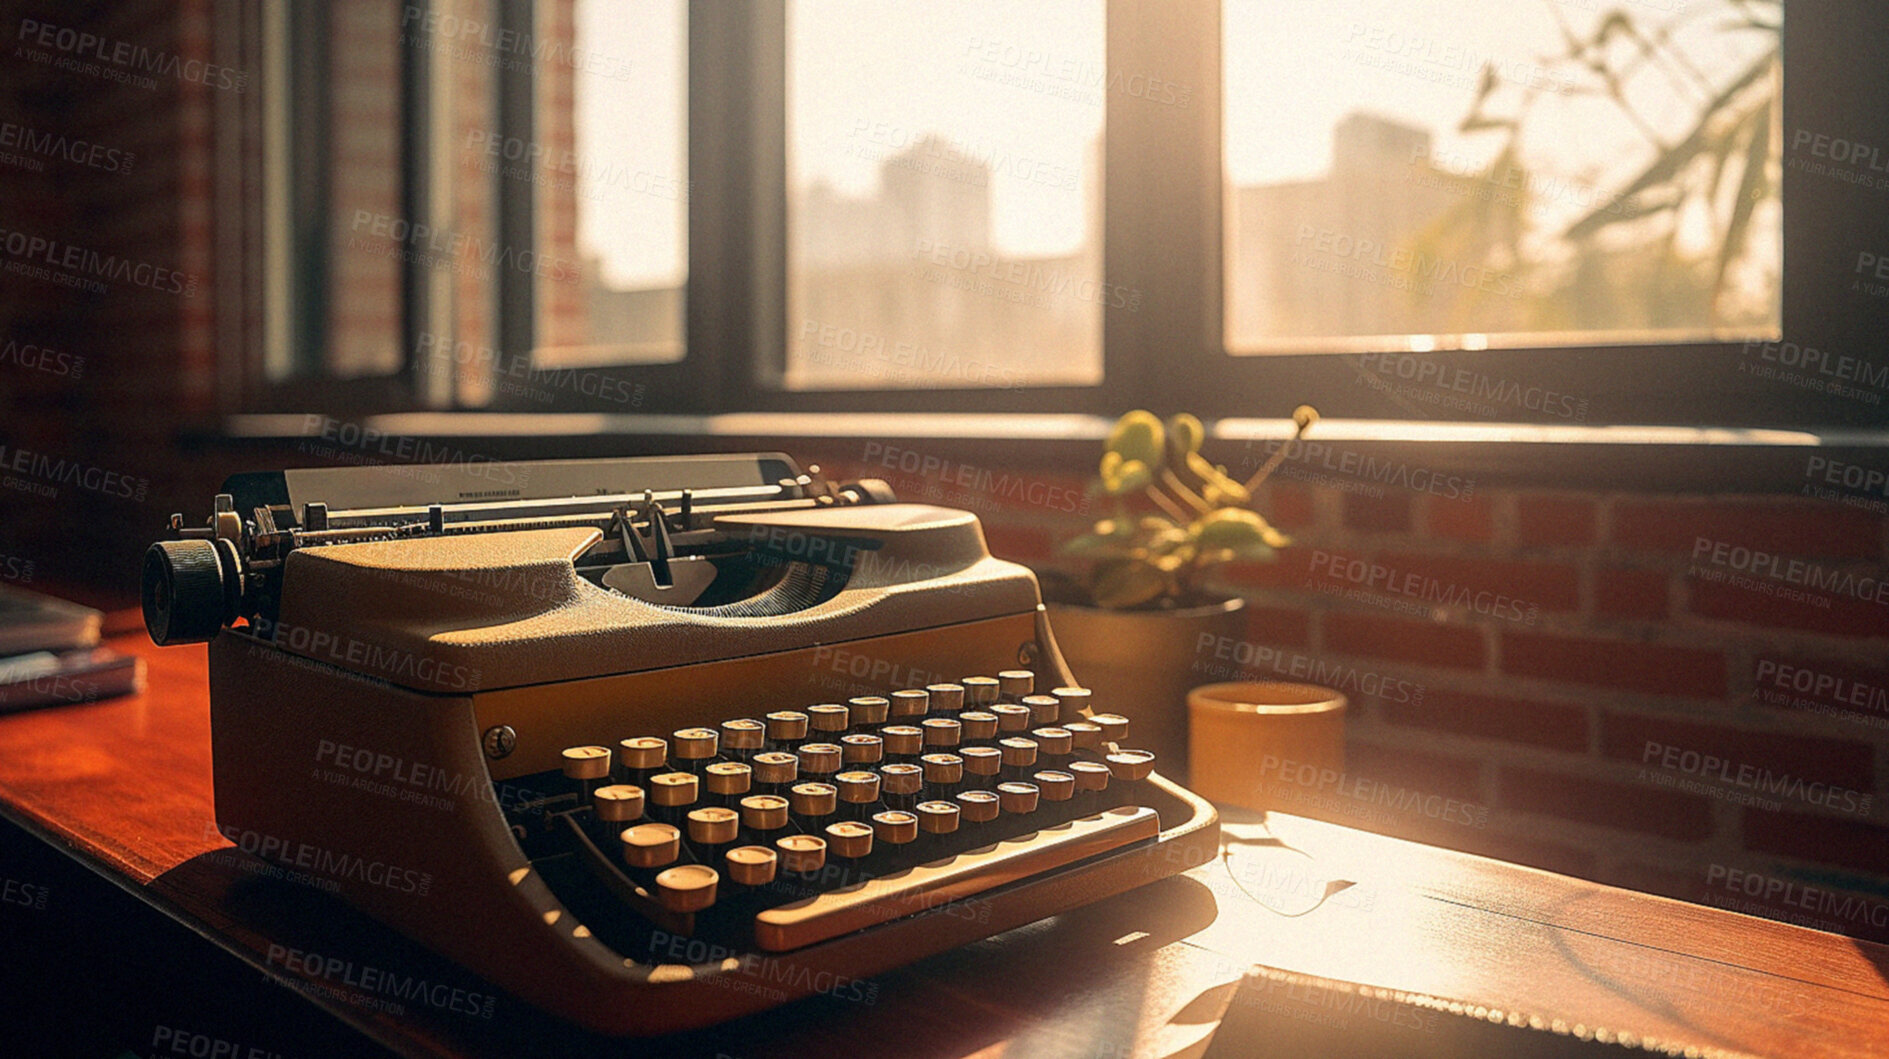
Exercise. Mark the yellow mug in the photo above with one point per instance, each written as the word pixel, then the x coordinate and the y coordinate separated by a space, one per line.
pixel 1240 735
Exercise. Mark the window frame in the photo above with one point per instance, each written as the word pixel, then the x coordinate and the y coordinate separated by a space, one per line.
pixel 1163 232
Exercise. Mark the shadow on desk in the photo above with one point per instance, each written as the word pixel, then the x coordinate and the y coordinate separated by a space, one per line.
pixel 1073 985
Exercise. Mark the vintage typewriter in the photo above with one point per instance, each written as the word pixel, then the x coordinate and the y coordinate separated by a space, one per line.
pixel 653 743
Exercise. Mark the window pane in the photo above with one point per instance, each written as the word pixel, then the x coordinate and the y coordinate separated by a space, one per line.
pixel 337 219
pixel 944 194
pixel 1545 172
pixel 613 192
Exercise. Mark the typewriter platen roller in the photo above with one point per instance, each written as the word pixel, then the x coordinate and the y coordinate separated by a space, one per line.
pixel 655 743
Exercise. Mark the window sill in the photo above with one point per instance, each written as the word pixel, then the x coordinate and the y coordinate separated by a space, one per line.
pixel 1610 458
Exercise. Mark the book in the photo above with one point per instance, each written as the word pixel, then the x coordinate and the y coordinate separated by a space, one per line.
pixel 30 622
pixel 51 678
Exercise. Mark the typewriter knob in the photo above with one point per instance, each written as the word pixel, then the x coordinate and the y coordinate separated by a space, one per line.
pixel 192 589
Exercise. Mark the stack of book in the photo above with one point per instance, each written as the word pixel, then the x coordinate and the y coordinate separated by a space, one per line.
pixel 49 654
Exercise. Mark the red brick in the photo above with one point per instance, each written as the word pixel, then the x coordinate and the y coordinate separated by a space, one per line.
pixel 1790 526
pixel 1389 513
pixel 1799 683
pixel 1472 519
pixel 1020 544
pixel 1542 519
pixel 1549 586
pixel 1288 505
pixel 1657 669
pixel 1635 807
pixel 1637 594
pixel 1854 844
pixel 1289 568
pixel 1278 625
pixel 1839 762
pixel 1415 770
pixel 1823 611
pixel 1552 726
pixel 1419 642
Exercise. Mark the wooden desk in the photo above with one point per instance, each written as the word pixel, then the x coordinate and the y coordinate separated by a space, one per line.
pixel 124 788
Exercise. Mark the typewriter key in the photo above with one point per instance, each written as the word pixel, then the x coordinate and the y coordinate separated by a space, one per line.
pixel 743 738
pixel 642 757
pixel 814 806
pixel 1014 684
pixel 1074 702
pixel 982 765
pixel 1012 718
pixel 818 761
pixel 1045 710
pixel 910 704
pixel 848 842
pixel 943 774
pixel 1054 745
pixel 687 888
pixel 861 749
pixel 979 692
pixel 894 828
pixel 712 831
pixel 1114 726
pixel 692 749
pixel 727 782
pixel 977 811
pixel 859 792
pixel 937 817
pixel 786 729
pixel 775 771
pixel 946 698
pixel 1084 735
pixel 1057 790
pixel 752 866
pixel 1019 756
pixel 1130 765
pixel 651 846
pixel 903 742
pixel 868 710
pixel 941 733
pixel 1091 786
pixel 802 855
pixel 671 796
pixel 900 785
pixel 763 818
pixel 587 762
pixel 978 727
pixel 1055 785
pixel 829 719
pixel 1018 798
pixel 618 803
pixel 1129 768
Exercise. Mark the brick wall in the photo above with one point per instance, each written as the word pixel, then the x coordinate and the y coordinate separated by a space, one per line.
pixel 1563 665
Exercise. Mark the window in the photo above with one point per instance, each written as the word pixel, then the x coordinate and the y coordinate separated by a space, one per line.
pixel 828 205
pixel 1418 175
pixel 611 194
pixel 944 183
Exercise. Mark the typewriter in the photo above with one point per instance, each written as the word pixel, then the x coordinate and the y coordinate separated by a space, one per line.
pixel 654 743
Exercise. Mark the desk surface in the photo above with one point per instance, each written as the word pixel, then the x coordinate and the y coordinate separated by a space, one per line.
pixel 125 787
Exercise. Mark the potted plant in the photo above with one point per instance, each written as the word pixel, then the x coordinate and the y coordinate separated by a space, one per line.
pixel 1130 626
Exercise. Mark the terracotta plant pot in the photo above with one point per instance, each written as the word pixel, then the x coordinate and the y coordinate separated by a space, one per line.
pixel 1141 664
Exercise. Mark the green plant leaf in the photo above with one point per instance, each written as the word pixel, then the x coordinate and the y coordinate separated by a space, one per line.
pixel 1127 583
pixel 1185 434
pixel 1138 435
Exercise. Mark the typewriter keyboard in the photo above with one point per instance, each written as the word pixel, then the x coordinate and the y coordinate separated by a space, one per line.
pixel 781 831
